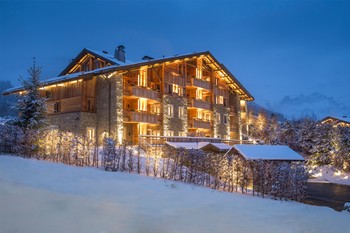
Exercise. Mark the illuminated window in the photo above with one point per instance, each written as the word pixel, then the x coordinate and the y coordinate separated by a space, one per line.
pixel 199 69
pixel 90 133
pixel 199 114
pixel 177 89
pixel 219 99
pixel 199 94
pixel 142 77
pixel 182 134
pixel 207 116
pixel 181 112
pixel 155 109
pixel 170 110
pixel 170 133
pixel 142 105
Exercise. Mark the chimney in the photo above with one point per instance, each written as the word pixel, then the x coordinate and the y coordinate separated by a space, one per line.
pixel 119 53
pixel 147 58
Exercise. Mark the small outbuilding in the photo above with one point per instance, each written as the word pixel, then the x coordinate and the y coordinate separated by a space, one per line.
pixel 274 170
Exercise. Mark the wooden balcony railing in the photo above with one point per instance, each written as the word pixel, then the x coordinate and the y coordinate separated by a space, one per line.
pixel 195 123
pixel 65 105
pixel 174 79
pixel 142 92
pixel 222 92
pixel 144 117
pixel 199 104
pixel 199 83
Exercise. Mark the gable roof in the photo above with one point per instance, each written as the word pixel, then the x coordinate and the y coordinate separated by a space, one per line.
pixel 230 79
pixel 212 146
pixel 102 55
pixel 337 120
pixel 267 152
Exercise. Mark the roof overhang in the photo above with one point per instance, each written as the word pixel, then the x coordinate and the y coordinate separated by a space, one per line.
pixel 229 78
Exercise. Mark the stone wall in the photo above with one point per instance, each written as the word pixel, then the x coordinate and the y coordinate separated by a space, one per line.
pixel 109 106
pixel 221 129
pixel 75 122
pixel 234 116
pixel 174 123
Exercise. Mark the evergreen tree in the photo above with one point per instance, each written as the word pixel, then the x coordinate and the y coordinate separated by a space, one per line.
pixel 30 105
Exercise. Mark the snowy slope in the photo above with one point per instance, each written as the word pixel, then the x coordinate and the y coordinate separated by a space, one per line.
pixel 38 196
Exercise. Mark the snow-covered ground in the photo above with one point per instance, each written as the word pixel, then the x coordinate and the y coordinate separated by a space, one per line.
pixel 39 196
pixel 330 175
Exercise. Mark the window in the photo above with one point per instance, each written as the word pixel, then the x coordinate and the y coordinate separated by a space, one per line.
pixel 175 88
pixel 181 112
pixel 199 114
pixel 56 107
pixel 90 133
pixel 86 67
pixel 225 119
pixel 170 110
pixel 142 77
pixel 219 99
pixel 199 94
pixel 199 69
pixel 155 109
pixel 143 105
pixel 96 64
pixel 170 133
pixel 182 134
pixel 207 116
pixel 170 89
pixel 218 120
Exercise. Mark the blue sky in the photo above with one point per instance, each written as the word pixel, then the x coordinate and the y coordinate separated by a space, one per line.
pixel 275 48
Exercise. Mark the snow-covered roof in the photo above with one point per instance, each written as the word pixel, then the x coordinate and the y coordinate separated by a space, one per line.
pixel 199 145
pixel 109 57
pixel 268 152
pixel 118 65
pixel 63 78
pixel 186 145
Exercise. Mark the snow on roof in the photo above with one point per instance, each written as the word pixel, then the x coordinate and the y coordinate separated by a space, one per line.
pixel 267 152
pixel 186 145
pixel 198 145
pixel 221 146
pixel 62 78
pixel 109 57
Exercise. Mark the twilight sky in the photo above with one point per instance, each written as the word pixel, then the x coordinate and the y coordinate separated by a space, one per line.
pixel 276 49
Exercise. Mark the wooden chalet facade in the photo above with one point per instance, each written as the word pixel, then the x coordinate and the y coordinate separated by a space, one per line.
pixel 336 121
pixel 101 95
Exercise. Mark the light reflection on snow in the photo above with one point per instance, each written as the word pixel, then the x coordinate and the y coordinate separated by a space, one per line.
pixel 338 173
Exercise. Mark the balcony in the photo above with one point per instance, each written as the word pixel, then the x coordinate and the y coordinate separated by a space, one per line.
pixel 73 104
pixel 174 79
pixel 222 92
pixel 142 92
pixel 199 83
pixel 195 123
pixel 143 117
pixel 199 104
